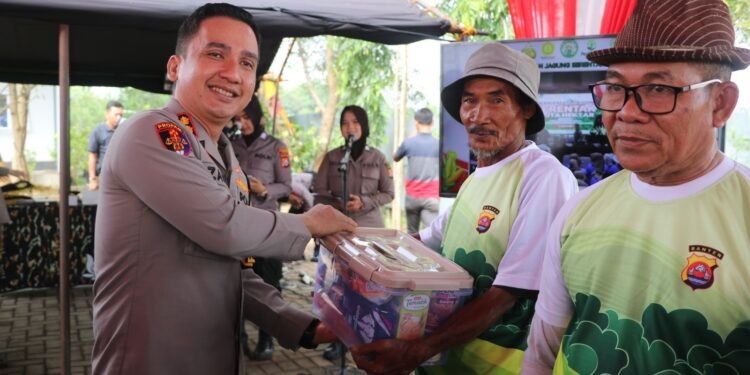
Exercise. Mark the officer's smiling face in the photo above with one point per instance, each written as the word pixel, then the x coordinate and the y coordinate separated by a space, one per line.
pixel 216 76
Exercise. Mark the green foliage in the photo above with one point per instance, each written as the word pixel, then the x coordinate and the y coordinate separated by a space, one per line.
pixel 663 342
pixel 490 16
pixel 740 10
pixel 303 146
pixel 136 100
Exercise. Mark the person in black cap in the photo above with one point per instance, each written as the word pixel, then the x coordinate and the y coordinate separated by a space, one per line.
pixel 495 228
pixel 646 271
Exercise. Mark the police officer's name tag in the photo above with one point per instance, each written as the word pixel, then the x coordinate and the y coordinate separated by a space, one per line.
pixel 173 138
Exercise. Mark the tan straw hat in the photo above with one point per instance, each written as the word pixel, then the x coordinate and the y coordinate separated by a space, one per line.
pixel 676 30
pixel 498 61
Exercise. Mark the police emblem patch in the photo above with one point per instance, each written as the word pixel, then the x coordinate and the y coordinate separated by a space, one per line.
pixel 284 157
pixel 185 120
pixel 173 138
pixel 701 268
pixel 486 217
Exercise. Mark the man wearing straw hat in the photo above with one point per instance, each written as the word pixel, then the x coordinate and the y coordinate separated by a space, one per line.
pixel 646 272
pixel 496 227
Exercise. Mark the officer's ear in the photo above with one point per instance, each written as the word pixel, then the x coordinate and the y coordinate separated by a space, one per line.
pixel 173 64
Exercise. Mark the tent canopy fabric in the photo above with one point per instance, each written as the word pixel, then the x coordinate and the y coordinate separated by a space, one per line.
pixel 127 42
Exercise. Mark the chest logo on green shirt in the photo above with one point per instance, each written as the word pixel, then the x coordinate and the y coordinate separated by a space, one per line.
pixel 699 272
pixel 486 217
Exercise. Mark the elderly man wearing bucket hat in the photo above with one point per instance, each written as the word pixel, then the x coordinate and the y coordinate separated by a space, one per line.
pixel 647 271
pixel 496 227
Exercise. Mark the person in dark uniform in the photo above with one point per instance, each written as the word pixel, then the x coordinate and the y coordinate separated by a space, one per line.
pixel 370 181
pixel 265 160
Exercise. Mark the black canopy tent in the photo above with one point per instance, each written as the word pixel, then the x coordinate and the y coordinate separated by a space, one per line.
pixel 127 43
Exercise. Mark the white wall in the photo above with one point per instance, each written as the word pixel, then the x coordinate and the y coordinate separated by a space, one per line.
pixel 41 133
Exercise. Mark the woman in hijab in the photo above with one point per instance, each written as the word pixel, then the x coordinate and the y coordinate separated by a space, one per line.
pixel 370 184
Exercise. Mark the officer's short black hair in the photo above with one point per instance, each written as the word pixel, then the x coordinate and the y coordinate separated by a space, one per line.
pixel 113 103
pixel 190 26
pixel 423 116
pixel 361 115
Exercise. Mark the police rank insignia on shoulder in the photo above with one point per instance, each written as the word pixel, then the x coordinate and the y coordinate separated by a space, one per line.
pixel 284 157
pixel 701 267
pixel 485 218
pixel 185 120
pixel 173 138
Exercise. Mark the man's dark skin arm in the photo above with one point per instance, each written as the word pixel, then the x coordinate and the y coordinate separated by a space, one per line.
pixel 396 356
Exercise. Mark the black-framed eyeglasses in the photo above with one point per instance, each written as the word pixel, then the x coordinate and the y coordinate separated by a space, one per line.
pixel 655 99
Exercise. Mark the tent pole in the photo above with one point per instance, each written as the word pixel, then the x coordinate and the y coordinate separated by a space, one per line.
pixel 64 243
pixel 278 85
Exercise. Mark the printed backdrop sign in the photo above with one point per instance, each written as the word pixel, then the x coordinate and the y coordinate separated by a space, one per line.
pixel 565 104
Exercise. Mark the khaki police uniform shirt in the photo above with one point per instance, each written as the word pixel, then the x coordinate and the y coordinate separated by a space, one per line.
pixel 266 159
pixel 369 178
pixel 171 226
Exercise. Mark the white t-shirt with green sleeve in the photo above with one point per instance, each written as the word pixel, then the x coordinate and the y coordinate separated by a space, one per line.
pixel 496 230
pixel 652 279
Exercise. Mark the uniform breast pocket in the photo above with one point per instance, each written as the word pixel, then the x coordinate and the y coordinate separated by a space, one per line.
pixel 370 179
pixel 193 250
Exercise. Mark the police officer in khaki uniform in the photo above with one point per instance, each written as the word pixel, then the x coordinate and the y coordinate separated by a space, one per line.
pixel 173 221
pixel 370 181
pixel 265 161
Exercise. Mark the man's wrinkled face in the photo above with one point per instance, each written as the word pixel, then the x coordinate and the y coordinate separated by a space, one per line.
pixel 216 76
pixel 494 120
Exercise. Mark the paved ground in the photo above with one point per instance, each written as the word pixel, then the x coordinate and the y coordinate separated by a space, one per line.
pixel 30 329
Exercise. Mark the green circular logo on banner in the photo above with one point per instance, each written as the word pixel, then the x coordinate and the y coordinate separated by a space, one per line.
pixel 529 51
pixel 548 49
pixel 591 44
pixel 568 48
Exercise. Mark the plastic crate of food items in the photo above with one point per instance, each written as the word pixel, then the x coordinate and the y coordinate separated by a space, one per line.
pixel 382 283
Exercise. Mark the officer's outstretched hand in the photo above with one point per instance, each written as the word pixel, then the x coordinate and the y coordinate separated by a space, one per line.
pixel 323 220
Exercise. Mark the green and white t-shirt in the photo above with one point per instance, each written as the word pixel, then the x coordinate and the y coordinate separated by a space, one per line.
pixel 496 231
pixel 651 279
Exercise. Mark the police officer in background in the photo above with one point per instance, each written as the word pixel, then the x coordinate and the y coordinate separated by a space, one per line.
pixel 174 221
pixel 265 160
pixel 370 181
